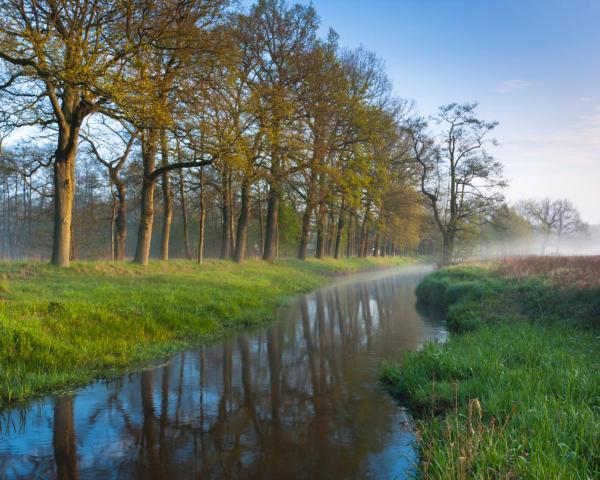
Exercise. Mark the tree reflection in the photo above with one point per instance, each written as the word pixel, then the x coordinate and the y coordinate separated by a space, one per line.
pixel 293 400
pixel 63 442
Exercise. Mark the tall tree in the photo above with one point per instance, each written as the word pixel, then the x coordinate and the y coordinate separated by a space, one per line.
pixel 459 179
pixel 186 42
pixel 63 62
pixel 278 36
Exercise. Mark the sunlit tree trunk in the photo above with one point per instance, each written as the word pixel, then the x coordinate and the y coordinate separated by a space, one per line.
pixel 167 198
pixel 64 189
pixel 149 148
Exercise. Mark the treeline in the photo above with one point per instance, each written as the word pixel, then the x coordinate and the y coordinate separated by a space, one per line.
pixel 244 132
pixel 131 128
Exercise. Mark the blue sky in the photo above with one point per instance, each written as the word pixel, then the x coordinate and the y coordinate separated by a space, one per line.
pixel 532 65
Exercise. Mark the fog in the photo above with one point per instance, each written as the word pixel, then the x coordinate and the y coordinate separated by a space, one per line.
pixel 582 243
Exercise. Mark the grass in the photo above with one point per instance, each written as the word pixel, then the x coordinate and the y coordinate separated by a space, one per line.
pixel 61 328
pixel 515 392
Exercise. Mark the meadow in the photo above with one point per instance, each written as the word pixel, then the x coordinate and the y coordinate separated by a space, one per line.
pixel 515 392
pixel 61 328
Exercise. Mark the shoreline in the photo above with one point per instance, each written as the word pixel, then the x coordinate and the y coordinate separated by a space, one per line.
pixel 63 329
pixel 515 388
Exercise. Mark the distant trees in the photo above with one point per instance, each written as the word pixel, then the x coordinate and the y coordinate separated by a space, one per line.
pixel 558 218
pixel 460 180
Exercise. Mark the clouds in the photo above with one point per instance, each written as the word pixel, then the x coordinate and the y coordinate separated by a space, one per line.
pixel 514 84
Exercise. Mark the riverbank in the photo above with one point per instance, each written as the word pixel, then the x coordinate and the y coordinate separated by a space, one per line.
pixel 61 328
pixel 515 392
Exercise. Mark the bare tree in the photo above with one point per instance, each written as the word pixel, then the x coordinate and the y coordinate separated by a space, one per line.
pixel 459 178
pixel 558 218
pixel 118 187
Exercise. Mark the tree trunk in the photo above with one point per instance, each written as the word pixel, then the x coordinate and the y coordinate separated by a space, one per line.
pixel 339 232
pixel 121 220
pixel 64 188
pixel 375 251
pixel 227 214
pixel 242 225
pixel 364 234
pixel 144 240
pixel 320 250
pixel 331 233
pixel 270 251
pixel 202 219
pixel 305 233
pixel 167 198
pixel 113 230
pixel 261 222
pixel 73 114
pixel 184 215
pixel 231 215
pixel 349 242
pixel 447 250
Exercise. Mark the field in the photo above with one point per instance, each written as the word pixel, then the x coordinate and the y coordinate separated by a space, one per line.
pixel 61 328
pixel 575 271
pixel 515 393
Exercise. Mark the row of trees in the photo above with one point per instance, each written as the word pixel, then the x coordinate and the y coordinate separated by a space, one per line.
pixel 257 134
pixel 252 108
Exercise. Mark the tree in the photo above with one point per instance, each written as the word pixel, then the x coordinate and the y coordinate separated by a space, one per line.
pixel 278 37
pixel 114 165
pixel 549 217
pixel 61 64
pixel 459 179
pixel 186 42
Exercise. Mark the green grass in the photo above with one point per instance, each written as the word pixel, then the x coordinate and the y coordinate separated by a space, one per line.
pixel 515 392
pixel 60 328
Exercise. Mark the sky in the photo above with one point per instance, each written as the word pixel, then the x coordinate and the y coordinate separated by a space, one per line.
pixel 533 65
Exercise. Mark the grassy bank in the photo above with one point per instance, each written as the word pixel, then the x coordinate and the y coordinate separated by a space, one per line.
pixel 60 328
pixel 515 393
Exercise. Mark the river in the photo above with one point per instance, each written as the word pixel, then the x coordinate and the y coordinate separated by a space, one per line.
pixel 297 398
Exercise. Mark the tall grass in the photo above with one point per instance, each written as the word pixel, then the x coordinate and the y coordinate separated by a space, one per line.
pixel 515 393
pixel 60 328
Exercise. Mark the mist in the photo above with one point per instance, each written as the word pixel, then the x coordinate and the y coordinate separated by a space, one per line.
pixel 586 242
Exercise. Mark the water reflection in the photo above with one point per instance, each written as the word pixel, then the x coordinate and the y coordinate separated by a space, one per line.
pixel 295 399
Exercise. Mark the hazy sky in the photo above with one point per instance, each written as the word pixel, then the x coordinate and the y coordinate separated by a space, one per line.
pixel 533 65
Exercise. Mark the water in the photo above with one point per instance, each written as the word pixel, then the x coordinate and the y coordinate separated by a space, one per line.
pixel 297 398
